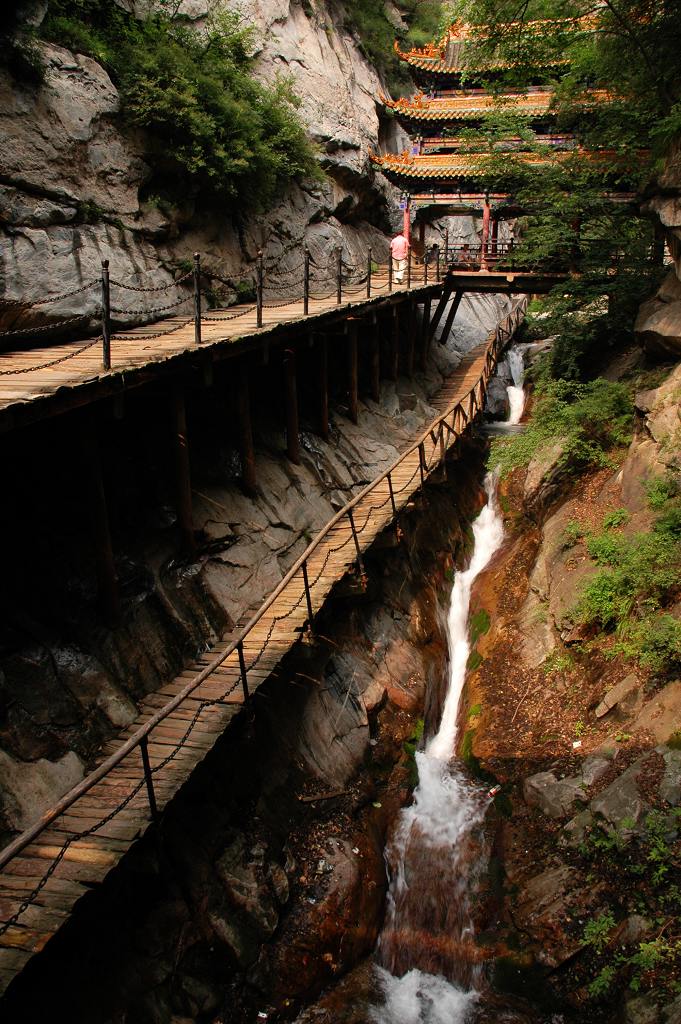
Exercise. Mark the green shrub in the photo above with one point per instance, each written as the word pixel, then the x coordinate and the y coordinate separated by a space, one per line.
pixel 376 32
pixel 588 420
pixel 619 517
pixel 212 132
pixel 597 931
pixel 479 625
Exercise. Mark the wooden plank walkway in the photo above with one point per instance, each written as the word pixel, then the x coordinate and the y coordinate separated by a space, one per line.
pixel 80 847
pixel 31 375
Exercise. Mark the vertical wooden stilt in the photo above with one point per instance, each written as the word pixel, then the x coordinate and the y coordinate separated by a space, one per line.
pixel 291 398
pixel 411 338
pixel 375 366
pixel 423 340
pixel 394 345
pixel 183 487
pixel 107 583
pixel 323 387
pixel 243 411
pixel 353 372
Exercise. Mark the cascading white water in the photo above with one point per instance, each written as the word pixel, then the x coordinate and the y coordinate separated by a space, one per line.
pixel 430 967
pixel 516 392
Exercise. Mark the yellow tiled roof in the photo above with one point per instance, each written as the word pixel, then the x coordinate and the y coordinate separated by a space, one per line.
pixel 468 106
pixel 448 165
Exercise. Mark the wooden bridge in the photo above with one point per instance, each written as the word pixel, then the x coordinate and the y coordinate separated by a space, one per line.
pixel 45 871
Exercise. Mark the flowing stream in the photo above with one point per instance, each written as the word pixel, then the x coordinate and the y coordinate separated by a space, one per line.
pixel 430 967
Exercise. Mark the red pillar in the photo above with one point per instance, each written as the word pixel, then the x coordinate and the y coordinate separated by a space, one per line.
pixel 495 236
pixel 406 228
pixel 486 211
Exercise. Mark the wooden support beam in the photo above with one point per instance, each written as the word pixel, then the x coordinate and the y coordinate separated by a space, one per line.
pixel 183 486
pixel 411 338
pixel 375 362
pixel 323 386
pixel 449 322
pixel 447 289
pixel 393 362
pixel 353 371
pixel 107 582
pixel 423 340
pixel 291 399
pixel 242 399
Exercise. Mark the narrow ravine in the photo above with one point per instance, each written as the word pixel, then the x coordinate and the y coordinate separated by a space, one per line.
pixel 430 968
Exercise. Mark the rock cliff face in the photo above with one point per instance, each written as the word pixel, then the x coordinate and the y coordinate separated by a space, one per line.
pixel 72 176
pixel 659 321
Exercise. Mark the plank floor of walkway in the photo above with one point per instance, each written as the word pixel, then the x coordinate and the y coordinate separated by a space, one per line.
pixel 29 375
pixel 86 860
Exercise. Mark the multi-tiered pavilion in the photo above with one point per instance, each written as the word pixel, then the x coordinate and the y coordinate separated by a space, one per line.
pixel 445 167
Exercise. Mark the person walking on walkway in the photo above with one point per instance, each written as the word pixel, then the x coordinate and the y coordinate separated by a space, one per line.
pixel 399 252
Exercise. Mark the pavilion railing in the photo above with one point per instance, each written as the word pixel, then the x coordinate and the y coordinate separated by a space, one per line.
pixel 244 656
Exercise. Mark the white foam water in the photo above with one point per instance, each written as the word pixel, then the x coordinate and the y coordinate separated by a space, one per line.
pixel 516 391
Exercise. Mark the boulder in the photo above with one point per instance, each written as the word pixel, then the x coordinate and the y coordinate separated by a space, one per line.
pixel 642 1010
pixel 616 694
pixel 554 797
pixel 671 1014
pixel 30 788
pixel 658 328
pixel 670 787
pixel 621 802
pixel 594 768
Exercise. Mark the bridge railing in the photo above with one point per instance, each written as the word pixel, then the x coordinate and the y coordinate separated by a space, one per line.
pixel 123 307
pixel 246 651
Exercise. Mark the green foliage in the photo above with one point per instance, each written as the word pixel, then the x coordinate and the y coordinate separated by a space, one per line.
pixel 597 931
pixel 479 625
pixel 410 747
pixel 213 133
pixel 601 984
pixel 557 662
pixel 588 420
pixel 475 660
pixel 573 533
pixel 475 711
pixel 619 517
pixel 662 490
pixel 376 32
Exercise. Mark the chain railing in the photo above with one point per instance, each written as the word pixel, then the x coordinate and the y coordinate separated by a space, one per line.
pixel 246 651
pixel 267 286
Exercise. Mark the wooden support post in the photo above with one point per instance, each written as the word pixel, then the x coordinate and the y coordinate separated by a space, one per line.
pixel 394 362
pixel 183 487
pixel 106 317
pixel 259 282
pixel 375 361
pixel 353 372
pixel 447 289
pixel 107 583
pixel 306 282
pixel 409 268
pixel 425 327
pixel 447 248
pixel 148 778
pixel 449 322
pixel 323 387
pixel 291 397
pixel 369 262
pixel 339 275
pixel 197 298
pixel 390 270
pixel 437 263
pixel 245 429
pixel 411 338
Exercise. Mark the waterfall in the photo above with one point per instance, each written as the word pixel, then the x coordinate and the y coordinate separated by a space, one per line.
pixel 516 393
pixel 430 967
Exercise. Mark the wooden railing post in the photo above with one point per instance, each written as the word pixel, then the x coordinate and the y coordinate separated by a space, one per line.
pixel 392 495
pixel 308 596
pixel 148 778
pixel 358 550
pixel 422 461
pixel 242 669
pixel 258 288
pixel 106 317
pixel 437 263
pixel 447 247
pixel 425 265
pixel 339 275
pixel 306 283
pixel 390 270
pixel 369 262
pixel 197 298
pixel 409 268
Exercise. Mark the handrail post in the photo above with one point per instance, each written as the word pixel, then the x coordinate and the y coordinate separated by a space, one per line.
pixel 390 270
pixel 197 298
pixel 306 283
pixel 259 272
pixel 392 494
pixel 360 563
pixel 106 317
pixel 447 247
pixel 308 596
pixel 369 272
pixel 409 267
pixel 242 669
pixel 425 266
pixel 437 262
pixel 422 459
pixel 148 778
pixel 339 275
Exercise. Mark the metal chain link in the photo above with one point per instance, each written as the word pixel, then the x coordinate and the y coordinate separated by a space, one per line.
pixel 159 288
pixel 51 327
pixel 155 309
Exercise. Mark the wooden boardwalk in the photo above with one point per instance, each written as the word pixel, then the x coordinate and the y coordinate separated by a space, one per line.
pixel 31 377
pixel 75 852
